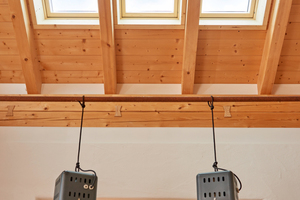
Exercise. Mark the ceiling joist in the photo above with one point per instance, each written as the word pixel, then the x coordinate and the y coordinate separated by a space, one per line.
pixel 273 45
pixel 108 46
pixel 190 46
pixel 25 41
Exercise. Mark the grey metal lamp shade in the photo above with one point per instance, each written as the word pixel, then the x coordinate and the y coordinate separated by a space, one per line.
pixel 219 185
pixel 75 186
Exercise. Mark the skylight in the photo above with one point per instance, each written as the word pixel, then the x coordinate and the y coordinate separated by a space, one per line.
pixel 71 8
pixel 149 6
pixel 229 6
pixel 74 6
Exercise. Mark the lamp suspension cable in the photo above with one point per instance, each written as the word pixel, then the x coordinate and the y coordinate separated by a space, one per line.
pixel 77 167
pixel 215 164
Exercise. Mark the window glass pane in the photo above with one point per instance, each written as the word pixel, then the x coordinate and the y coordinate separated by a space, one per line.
pixel 226 6
pixel 74 6
pixel 149 6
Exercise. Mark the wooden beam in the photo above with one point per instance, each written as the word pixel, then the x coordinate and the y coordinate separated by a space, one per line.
pixel 108 46
pixel 25 41
pixel 160 114
pixel 190 46
pixel 273 45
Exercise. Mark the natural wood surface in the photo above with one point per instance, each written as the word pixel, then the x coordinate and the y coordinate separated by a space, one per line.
pixel 190 46
pixel 26 46
pixel 73 55
pixel 273 45
pixel 108 46
pixel 135 114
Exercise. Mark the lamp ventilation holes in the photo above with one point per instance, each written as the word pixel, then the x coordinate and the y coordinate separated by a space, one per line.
pixel 214 194
pixel 79 195
pixel 214 179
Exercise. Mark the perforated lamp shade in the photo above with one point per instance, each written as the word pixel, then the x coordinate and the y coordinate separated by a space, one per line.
pixel 219 185
pixel 75 186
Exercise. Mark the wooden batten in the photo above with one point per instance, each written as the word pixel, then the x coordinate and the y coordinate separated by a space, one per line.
pixel 273 45
pixel 190 46
pixel 151 114
pixel 108 46
pixel 25 42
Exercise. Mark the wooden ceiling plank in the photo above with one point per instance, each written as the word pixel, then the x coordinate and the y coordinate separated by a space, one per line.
pixel 108 46
pixel 25 42
pixel 273 45
pixel 190 46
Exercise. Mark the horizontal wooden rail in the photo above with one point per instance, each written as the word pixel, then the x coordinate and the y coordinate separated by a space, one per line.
pixel 148 98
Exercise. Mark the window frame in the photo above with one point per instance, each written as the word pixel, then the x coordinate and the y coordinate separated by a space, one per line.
pixel 124 15
pixel 251 14
pixel 49 14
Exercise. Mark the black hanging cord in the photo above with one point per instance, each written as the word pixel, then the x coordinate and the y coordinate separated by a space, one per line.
pixel 77 168
pixel 215 164
pixel 211 105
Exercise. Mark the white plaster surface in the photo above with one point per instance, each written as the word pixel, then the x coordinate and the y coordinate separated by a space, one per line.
pixel 149 162
pixel 12 88
pixel 206 89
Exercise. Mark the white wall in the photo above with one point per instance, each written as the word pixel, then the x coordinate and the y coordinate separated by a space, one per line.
pixel 149 162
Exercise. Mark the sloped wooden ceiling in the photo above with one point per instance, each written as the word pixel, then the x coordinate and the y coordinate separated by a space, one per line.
pixel 151 56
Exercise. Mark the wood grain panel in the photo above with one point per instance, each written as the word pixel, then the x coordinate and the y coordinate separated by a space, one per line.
pixel 149 63
pixel 287 77
pixel 296 2
pixel 167 47
pixel 292 32
pixel 226 77
pixel 67 34
pixel 10 63
pixel 289 63
pixel 145 34
pixel 232 34
pixel 291 48
pixel 11 77
pixel 3 2
pixel 151 107
pixel 72 76
pixel 7 30
pixel 149 76
pixel 69 47
pixel 8 47
pixel 295 14
pixel 4 13
pixel 150 119
pixel 230 47
pixel 70 63
pixel 228 63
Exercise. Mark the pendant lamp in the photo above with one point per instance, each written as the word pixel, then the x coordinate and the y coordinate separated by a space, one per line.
pixel 76 185
pixel 217 185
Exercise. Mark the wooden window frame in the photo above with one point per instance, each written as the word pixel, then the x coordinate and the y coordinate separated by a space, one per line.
pixel 174 15
pixel 49 14
pixel 251 14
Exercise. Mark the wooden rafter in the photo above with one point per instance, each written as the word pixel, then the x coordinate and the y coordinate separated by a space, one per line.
pixel 108 46
pixel 273 45
pixel 25 41
pixel 190 46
